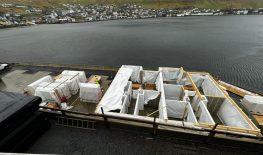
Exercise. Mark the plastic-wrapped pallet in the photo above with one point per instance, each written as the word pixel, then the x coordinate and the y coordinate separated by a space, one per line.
pixel 32 87
pixel 43 84
pixel 90 92
pixel 47 94
pixel 53 91
pixel 81 75
pixel 62 89
pixel 253 103
pixel 71 81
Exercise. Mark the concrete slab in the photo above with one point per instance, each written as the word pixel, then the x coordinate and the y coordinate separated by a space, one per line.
pixel 17 80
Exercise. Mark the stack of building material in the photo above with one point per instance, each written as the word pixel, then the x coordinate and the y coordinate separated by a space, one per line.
pixel 53 91
pixel 32 87
pixel 95 79
pixel 253 103
pixel 90 92
pixel 81 75
pixel 20 123
pixel 72 82
pixel 64 86
pixel 62 89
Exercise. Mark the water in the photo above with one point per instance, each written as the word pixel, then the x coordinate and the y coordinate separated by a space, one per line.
pixel 229 47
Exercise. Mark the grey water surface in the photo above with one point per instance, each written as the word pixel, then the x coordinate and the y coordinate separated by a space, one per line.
pixel 229 47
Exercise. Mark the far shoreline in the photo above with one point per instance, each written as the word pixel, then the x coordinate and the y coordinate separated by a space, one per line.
pixel 38 24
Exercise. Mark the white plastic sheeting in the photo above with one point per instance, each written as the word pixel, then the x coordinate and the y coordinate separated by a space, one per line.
pixel 159 82
pixel 191 93
pixel 135 77
pixel 204 99
pixel 43 84
pixel 62 89
pixel 211 89
pixel 32 87
pixel 180 75
pixel 190 114
pixel 139 103
pixel 135 93
pixel 128 89
pixel 173 92
pixel 230 116
pixel 161 108
pixel 196 100
pixel 90 92
pixel 143 97
pixel 72 82
pixel 65 106
pixel 81 75
pixel 204 115
pixel 125 104
pixel 47 91
pixel 126 97
pixel 162 105
pixel 150 95
pixel 112 99
pixel 186 96
pixel 169 74
pixel 47 94
pixel 185 81
pixel 198 79
pixel 149 76
pixel 253 103
pixel 175 109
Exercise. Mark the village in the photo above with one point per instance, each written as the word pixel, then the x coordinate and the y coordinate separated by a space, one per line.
pixel 75 13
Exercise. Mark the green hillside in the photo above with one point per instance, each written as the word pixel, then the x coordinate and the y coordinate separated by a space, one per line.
pixel 150 3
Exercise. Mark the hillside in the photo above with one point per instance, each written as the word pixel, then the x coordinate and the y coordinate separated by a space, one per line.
pixel 150 3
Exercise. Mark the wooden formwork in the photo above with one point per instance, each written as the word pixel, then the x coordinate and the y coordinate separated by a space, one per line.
pixel 255 131
pixel 236 90
pixel 194 86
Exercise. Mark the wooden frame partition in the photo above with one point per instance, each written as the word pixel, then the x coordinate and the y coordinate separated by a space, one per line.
pixel 194 85
pixel 254 130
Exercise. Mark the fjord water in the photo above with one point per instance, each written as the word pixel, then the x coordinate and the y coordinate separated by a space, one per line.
pixel 229 47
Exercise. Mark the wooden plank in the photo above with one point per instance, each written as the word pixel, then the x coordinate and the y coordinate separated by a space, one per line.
pixel 194 86
pixel 236 90
pixel 202 73
pixel 231 129
pixel 136 86
pixel 191 88
pixel 150 87
pixel 259 119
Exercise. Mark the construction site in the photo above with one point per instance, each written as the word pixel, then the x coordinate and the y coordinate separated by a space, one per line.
pixel 165 99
